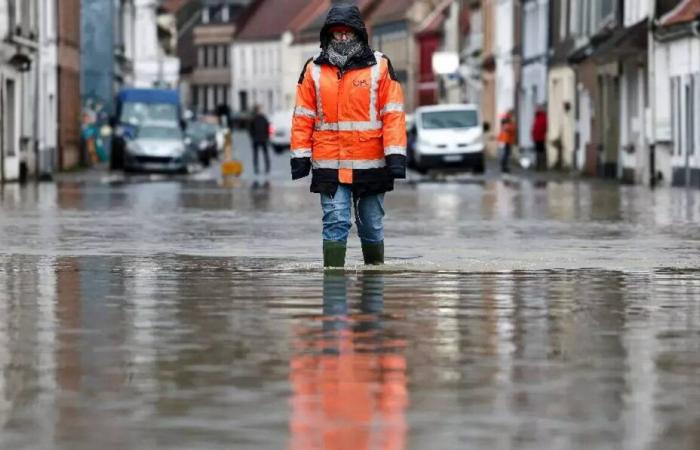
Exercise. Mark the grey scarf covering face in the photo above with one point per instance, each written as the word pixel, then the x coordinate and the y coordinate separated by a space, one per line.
pixel 340 52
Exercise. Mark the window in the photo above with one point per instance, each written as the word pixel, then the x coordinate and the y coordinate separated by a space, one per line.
pixel 676 114
pixel 224 56
pixel 10 137
pixel 205 15
pixel 201 56
pixel 564 19
pixel 226 14
pixel 690 116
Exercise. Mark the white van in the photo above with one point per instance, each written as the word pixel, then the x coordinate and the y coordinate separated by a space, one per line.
pixel 446 136
pixel 281 130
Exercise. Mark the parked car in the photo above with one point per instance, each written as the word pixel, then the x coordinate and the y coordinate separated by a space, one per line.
pixel 202 139
pixel 136 107
pixel 158 148
pixel 446 136
pixel 281 130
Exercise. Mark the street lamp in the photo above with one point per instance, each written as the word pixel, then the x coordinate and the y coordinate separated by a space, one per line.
pixel 21 62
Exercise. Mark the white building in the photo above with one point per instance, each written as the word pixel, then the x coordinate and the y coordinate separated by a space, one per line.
pixel 504 45
pixel 472 55
pixel 533 81
pixel 18 78
pixel 48 87
pixel 153 66
pixel 265 62
pixel 634 157
pixel 676 108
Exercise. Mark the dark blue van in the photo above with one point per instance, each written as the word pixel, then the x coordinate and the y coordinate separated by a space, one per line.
pixel 135 108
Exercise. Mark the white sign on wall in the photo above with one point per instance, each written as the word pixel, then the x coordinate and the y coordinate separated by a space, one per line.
pixel 445 63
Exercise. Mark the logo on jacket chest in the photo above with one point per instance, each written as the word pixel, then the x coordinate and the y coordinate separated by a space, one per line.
pixel 362 84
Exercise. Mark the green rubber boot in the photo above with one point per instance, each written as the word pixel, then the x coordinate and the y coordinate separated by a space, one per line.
pixel 373 253
pixel 334 253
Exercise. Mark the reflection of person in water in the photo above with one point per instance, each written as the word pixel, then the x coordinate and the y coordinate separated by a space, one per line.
pixel 349 379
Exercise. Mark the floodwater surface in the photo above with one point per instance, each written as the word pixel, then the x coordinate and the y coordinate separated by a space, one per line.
pixel 190 316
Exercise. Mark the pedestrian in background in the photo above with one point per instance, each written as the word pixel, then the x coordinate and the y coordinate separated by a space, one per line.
pixel 539 137
pixel 507 139
pixel 260 135
pixel 349 126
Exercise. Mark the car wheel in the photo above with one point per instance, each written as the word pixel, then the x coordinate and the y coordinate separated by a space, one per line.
pixel 479 167
pixel 116 158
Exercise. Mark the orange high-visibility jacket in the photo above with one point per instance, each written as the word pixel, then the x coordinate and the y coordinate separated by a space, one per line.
pixel 350 127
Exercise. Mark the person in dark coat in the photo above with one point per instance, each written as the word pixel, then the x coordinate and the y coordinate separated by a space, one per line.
pixel 260 135
pixel 539 137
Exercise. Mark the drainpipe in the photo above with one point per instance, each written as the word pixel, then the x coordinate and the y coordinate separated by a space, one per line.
pixel 652 94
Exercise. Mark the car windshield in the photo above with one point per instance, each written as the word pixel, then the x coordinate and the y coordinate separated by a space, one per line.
pixel 137 113
pixel 199 130
pixel 463 118
pixel 159 133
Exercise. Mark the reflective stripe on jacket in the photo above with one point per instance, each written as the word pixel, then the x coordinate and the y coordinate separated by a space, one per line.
pixel 350 126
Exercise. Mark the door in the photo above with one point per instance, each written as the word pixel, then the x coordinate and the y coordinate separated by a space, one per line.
pixel 10 144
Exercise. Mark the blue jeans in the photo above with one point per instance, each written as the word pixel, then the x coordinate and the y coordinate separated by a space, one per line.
pixel 337 216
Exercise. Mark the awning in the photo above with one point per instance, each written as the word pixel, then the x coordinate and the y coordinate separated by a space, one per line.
pixel 624 43
pixel 615 45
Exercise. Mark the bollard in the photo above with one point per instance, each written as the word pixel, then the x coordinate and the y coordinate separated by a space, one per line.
pixel 230 167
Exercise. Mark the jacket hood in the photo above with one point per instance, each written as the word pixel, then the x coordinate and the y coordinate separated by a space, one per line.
pixel 348 15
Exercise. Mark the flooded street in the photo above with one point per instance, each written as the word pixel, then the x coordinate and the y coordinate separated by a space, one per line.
pixel 182 314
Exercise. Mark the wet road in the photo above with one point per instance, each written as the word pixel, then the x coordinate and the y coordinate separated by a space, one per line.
pixel 179 313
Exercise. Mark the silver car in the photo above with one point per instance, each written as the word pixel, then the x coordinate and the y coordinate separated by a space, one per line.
pixel 158 148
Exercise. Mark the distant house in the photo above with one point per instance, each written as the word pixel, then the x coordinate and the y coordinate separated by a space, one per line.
pixel 533 77
pixel 206 52
pixel 677 90
pixel 263 57
pixel 561 90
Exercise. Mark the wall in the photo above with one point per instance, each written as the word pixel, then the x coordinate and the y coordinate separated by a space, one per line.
pixel 534 73
pixel 69 84
pixel 48 86
pixel 256 71
pixel 682 61
pixel 97 54
pixel 293 59
pixel 562 123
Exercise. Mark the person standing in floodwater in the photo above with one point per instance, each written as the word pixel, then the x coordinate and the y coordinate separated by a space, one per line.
pixel 349 126
pixel 260 135
pixel 507 139
pixel 539 137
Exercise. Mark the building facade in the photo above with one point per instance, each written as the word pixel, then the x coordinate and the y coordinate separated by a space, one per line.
pixel 106 58
pixel 561 91
pixel 67 123
pixel 210 77
pixel 154 62
pixel 19 77
pixel 47 137
pixel 677 89
pixel 533 79
pixel 270 50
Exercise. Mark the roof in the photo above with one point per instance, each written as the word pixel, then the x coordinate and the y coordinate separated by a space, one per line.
pixel 686 11
pixel 269 19
pixel 173 6
pixel 149 95
pixel 391 10
pixel 433 23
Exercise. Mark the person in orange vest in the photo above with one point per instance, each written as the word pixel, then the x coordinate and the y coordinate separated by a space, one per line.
pixel 507 138
pixel 349 126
